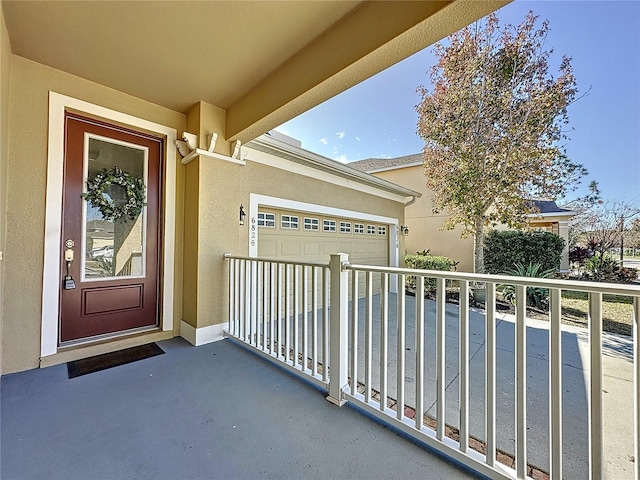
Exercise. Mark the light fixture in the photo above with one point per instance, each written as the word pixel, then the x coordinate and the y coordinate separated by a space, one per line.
pixel 242 215
pixel 404 229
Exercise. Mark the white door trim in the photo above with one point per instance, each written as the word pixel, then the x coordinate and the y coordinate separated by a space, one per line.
pixel 51 280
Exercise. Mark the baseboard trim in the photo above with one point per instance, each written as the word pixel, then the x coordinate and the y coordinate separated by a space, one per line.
pixel 201 336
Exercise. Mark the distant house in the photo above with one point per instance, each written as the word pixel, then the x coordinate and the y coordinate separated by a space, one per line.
pixel 424 225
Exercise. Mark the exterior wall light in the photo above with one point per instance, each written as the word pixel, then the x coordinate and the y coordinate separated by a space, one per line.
pixel 242 215
pixel 404 229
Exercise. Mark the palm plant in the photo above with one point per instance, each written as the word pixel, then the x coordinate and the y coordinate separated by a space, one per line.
pixel 535 296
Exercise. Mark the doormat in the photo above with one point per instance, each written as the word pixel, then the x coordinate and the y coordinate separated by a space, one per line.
pixel 78 368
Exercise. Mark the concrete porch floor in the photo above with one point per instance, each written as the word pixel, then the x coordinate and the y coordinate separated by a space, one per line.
pixel 215 411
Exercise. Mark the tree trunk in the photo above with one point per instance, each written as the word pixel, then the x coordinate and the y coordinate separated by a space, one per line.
pixel 479 246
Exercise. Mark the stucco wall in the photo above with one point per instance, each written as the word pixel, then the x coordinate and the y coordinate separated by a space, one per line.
pixel 27 168
pixel 5 76
pixel 224 186
pixel 424 225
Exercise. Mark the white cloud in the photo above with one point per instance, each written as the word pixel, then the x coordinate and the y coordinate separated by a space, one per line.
pixel 342 158
pixel 358 138
pixel 324 141
pixel 340 134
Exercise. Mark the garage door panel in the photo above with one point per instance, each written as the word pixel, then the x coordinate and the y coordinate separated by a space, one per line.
pixel 312 249
pixel 268 248
pixel 290 248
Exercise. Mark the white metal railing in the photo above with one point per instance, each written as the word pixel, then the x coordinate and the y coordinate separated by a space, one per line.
pixel 281 309
pixel 365 340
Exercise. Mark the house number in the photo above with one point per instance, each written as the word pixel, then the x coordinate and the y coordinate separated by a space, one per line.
pixel 253 231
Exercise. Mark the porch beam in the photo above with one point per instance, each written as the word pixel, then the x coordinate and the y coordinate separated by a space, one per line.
pixel 373 37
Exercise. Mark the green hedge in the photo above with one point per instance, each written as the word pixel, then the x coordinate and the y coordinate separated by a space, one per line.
pixel 504 249
pixel 426 262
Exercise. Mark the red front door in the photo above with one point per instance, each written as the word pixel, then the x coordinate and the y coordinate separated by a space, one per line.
pixel 116 259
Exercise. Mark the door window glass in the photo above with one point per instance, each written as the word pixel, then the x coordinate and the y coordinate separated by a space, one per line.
pixel 113 247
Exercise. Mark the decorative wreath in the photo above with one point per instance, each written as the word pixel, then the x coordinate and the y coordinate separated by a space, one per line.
pixel 100 194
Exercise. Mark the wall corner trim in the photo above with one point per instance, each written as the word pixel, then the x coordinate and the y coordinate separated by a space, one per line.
pixel 202 336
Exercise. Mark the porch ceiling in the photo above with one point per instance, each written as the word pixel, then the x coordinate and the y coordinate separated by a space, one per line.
pixel 264 62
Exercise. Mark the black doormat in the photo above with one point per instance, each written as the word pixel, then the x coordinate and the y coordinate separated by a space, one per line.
pixel 113 359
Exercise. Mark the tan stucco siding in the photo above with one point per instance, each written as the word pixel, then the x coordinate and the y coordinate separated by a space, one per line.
pixel 5 77
pixel 224 186
pixel 27 167
pixel 424 226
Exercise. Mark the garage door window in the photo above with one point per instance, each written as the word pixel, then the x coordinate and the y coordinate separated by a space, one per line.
pixel 358 228
pixel 289 221
pixel 267 220
pixel 311 224
pixel 382 230
pixel 371 229
pixel 329 226
pixel 345 227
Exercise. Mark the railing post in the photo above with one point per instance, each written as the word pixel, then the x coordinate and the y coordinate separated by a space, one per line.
pixel 338 329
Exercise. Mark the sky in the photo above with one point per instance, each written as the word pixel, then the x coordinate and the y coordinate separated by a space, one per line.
pixel 377 118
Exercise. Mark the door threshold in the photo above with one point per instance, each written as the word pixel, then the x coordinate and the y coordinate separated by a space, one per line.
pixel 78 351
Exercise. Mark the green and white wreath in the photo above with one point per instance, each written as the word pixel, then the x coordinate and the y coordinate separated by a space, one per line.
pixel 101 192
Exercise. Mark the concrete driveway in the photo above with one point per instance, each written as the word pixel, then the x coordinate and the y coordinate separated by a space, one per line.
pixel 617 384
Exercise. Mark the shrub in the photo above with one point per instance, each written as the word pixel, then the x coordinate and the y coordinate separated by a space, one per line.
pixel 536 296
pixel 579 255
pixel 505 249
pixel 426 262
pixel 608 269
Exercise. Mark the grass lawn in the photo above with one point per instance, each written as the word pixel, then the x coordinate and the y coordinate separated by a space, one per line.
pixel 617 311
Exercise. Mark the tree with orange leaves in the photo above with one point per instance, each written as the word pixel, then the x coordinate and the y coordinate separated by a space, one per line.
pixel 493 126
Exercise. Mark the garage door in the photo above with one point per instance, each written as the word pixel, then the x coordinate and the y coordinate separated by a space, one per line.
pixel 288 235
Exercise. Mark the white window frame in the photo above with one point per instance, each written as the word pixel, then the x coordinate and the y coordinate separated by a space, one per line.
pixel 289 222
pixel 329 226
pixel 345 227
pixel 358 228
pixel 312 224
pixel 262 222
pixel 371 229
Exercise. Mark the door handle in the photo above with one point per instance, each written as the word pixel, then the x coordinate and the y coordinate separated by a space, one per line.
pixel 68 283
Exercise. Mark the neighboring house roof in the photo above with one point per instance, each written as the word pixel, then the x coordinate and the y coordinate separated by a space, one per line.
pixel 549 208
pixel 289 149
pixel 373 165
pixel 545 207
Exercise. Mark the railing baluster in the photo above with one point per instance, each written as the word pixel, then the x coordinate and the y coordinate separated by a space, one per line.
pixel 274 301
pixel 325 324
pixel 305 317
pixel 245 304
pixel 252 294
pixel 401 341
pixel 521 382
pixel 287 312
pixel 555 377
pixel 490 374
pixel 296 313
pixel 265 305
pixel 636 383
pixel 280 351
pixel 440 353
pixel 314 322
pixel 368 338
pixel 354 332
pixel 595 396
pixel 384 335
pixel 463 364
pixel 419 352
pixel 259 300
pixel 232 294
pixel 238 299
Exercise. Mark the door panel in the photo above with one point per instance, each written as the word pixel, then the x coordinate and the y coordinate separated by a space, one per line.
pixel 116 261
